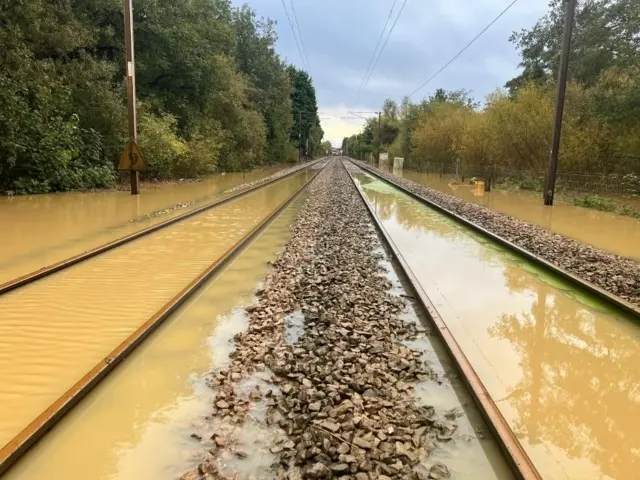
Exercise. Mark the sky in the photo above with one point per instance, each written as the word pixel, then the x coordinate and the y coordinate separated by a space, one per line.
pixel 339 37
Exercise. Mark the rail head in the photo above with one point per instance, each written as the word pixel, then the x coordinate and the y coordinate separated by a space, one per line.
pixel 518 460
pixel 612 300
pixel 38 428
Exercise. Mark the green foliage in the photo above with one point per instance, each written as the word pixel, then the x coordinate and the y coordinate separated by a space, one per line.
pixel 325 148
pixel 306 130
pixel 605 36
pixel 605 205
pixel 213 93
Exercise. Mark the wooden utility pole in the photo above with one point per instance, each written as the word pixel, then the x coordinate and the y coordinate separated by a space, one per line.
pixel 378 142
pixel 299 136
pixel 550 180
pixel 131 86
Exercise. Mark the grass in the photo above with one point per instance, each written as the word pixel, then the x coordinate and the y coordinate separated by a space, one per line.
pixel 605 205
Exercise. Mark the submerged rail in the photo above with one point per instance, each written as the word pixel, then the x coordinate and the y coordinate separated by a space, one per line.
pixel 519 461
pixel 21 443
pixel 602 294
pixel 56 267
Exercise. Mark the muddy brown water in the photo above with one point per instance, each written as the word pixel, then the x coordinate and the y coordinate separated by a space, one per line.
pixel 39 230
pixel 55 330
pixel 137 423
pixel 561 366
pixel 608 231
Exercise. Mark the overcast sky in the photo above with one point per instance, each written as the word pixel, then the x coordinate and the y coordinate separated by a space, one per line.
pixel 340 36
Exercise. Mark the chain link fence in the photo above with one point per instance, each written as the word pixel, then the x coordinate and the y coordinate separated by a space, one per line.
pixel 613 184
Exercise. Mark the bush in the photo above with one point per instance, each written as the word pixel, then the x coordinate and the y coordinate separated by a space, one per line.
pixel 160 144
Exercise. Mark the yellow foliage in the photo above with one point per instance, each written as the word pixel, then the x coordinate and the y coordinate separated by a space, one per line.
pixel 515 133
pixel 437 137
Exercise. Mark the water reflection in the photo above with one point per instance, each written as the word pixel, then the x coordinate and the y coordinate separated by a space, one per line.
pixel 560 365
pixel 580 387
pixel 615 233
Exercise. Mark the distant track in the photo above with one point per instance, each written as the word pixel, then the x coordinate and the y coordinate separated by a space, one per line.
pixel 56 267
pixel 576 281
pixel 519 461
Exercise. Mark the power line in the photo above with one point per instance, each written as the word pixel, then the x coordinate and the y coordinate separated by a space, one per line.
pixel 464 49
pixel 294 35
pixel 304 50
pixel 373 56
pixel 384 44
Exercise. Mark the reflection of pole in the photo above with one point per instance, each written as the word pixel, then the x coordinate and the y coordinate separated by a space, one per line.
pixel 537 363
pixel 550 182
pixel 131 85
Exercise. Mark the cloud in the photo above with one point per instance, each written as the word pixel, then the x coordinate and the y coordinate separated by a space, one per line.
pixel 335 124
pixel 340 37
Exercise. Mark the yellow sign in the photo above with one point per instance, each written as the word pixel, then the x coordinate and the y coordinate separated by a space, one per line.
pixel 131 159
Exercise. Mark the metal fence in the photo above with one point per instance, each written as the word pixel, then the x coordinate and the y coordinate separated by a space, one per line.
pixel 619 184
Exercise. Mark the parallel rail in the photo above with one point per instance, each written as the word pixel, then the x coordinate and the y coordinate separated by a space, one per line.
pixel 518 460
pixel 21 443
pixel 56 267
pixel 576 281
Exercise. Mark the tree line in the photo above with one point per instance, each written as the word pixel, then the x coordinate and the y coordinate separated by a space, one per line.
pixel 512 128
pixel 213 94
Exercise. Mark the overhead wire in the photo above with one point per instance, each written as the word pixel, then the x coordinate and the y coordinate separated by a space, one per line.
pixel 294 36
pixel 373 56
pixel 384 46
pixel 464 49
pixel 304 49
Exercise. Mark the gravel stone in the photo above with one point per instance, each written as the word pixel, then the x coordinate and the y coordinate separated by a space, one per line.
pixel 342 394
pixel 613 273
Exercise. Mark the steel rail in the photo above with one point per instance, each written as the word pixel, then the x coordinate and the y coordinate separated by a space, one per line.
pixel 609 298
pixel 56 267
pixel 39 427
pixel 518 460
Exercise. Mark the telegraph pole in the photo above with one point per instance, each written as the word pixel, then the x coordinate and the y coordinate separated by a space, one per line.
pixel 550 181
pixel 299 136
pixel 378 142
pixel 131 86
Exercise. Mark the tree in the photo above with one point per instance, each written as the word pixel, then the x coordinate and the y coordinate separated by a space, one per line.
pixel 212 91
pixel 605 35
pixel 306 124
pixel 325 148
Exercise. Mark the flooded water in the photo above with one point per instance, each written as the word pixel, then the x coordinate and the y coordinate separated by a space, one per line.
pixel 137 423
pixel 561 366
pixel 472 451
pixel 608 231
pixel 54 330
pixel 39 230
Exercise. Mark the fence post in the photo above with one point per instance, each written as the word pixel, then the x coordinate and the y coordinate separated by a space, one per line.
pixel 487 179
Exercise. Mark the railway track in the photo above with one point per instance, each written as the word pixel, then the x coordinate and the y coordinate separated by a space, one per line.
pixel 518 459
pixel 523 460
pixel 463 327
pixel 58 266
pixel 578 282
pixel 82 287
